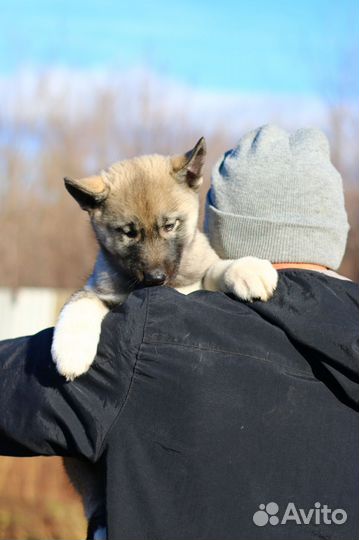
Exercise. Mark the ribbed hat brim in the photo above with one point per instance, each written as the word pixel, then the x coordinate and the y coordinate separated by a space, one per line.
pixel 233 236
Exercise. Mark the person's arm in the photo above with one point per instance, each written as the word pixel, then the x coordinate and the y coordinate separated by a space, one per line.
pixel 42 414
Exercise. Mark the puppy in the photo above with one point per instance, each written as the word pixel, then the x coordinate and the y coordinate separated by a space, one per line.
pixel 144 213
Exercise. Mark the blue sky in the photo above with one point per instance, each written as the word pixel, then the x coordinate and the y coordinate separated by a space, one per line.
pixel 289 46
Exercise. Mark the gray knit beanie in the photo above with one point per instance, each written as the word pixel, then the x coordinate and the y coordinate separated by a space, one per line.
pixel 277 196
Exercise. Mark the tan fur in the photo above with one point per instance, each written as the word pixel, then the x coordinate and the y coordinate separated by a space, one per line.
pixel 91 184
pixel 145 186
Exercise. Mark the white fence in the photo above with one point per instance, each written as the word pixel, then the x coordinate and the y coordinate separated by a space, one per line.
pixel 28 310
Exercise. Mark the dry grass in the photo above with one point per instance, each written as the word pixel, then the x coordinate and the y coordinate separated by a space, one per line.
pixel 37 501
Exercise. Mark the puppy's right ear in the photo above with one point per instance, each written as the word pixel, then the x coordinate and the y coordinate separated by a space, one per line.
pixel 89 192
pixel 188 168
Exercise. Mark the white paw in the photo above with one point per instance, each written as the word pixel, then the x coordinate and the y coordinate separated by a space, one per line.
pixel 76 336
pixel 73 352
pixel 250 278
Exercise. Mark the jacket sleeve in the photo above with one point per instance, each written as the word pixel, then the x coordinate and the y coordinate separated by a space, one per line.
pixel 42 414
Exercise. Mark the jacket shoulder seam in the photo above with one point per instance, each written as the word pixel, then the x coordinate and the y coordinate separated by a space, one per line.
pixel 234 353
pixel 122 406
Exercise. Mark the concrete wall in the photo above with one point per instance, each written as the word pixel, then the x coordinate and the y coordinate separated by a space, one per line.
pixel 28 310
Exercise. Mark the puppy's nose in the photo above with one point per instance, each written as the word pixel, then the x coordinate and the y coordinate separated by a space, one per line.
pixel 155 277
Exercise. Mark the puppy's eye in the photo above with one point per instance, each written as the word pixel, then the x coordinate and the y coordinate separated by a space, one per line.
pixel 169 227
pixel 130 234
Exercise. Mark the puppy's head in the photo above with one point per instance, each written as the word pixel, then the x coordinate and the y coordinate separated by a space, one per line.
pixel 144 212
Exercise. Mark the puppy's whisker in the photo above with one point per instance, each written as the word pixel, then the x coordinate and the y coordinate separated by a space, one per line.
pixel 132 283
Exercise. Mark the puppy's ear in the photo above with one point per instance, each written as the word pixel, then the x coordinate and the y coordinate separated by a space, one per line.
pixel 188 168
pixel 89 192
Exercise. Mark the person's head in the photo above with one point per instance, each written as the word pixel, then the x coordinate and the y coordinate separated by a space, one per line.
pixel 277 196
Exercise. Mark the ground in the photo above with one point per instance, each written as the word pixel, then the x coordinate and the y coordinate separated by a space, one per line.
pixel 37 501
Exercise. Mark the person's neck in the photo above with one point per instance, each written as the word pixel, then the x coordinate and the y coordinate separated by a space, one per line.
pixel 303 266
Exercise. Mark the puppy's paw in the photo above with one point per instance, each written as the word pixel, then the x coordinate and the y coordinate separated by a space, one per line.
pixel 76 336
pixel 73 351
pixel 250 278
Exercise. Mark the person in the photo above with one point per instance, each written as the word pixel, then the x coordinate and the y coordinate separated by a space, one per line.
pixel 212 418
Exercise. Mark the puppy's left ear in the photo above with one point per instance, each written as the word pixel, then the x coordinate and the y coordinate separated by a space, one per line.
pixel 89 192
pixel 188 168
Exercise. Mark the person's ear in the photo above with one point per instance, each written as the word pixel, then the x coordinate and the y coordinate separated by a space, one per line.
pixel 188 167
pixel 89 192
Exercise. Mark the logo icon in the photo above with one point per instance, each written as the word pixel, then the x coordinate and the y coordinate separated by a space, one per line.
pixel 266 514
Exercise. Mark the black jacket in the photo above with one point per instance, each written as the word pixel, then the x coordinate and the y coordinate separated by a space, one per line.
pixel 199 409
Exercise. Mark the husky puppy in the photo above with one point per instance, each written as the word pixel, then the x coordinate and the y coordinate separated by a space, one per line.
pixel 144 213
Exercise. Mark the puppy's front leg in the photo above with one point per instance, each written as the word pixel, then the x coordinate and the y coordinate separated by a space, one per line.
pixel 77 333
pixel 247 278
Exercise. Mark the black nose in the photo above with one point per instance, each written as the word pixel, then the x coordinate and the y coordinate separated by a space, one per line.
pixel 156 277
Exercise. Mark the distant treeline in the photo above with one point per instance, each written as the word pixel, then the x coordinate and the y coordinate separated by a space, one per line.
pixel 45 239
